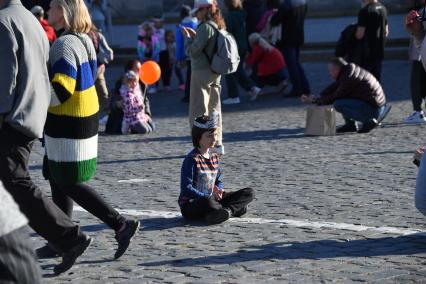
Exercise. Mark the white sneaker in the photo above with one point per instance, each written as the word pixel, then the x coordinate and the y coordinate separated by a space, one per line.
pixel 254 92
pixel 415 117
pixel 231 101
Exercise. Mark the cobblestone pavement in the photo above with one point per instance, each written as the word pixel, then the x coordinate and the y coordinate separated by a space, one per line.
pixel 323 204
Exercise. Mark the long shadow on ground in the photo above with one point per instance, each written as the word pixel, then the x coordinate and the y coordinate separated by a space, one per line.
pixel 403 245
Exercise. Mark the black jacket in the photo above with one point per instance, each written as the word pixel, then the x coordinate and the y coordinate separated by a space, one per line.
pixel 354 83
pixel 291 15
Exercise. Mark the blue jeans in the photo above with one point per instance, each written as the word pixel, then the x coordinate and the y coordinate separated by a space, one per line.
pixel 420 195
pixel 297 74
pixel 357 110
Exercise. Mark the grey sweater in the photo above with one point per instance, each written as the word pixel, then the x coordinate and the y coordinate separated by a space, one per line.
pixel 203 42
pixel 24 81
pixel 10 216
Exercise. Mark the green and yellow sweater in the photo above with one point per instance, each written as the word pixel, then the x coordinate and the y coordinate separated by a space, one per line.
pixel 71 131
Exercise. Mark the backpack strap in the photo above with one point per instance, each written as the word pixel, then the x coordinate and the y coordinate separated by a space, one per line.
pixel 209 59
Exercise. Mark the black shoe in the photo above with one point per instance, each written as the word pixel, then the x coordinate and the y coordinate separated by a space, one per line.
pixel 123 238
pixel 368 126
pixel 70 256
pixel 240 212
pixel 47 251
pixel 388 107
pixel 218 216
pixel 348 127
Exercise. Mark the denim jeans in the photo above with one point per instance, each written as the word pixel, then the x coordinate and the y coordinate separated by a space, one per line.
pixel 420 195
pixel 297 74
pixel 353 109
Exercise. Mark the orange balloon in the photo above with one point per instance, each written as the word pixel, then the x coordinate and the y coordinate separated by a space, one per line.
pixel 150 72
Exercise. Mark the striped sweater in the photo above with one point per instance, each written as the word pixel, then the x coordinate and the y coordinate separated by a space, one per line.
pixel 71 131
pixel 199 175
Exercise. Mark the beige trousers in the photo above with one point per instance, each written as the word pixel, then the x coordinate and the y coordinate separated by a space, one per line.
pixel 204 97
pixel 102 90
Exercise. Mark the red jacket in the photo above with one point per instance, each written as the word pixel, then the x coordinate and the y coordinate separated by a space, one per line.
pixel 269 62
pixel 50 32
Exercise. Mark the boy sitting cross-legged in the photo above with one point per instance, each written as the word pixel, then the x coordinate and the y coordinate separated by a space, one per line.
pixel 202 195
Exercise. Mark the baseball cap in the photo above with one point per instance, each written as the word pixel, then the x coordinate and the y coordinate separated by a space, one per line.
pixel 201 4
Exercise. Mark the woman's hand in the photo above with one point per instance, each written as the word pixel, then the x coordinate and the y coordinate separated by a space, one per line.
pixel 188 32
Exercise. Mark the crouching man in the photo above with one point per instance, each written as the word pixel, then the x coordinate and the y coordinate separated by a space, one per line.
pixel 356 94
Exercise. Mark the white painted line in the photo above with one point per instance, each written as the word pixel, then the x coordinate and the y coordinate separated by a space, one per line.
pixel 283 222
pixel 135 180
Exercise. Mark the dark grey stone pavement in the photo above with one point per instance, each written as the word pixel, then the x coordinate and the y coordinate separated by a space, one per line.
pixel 360 179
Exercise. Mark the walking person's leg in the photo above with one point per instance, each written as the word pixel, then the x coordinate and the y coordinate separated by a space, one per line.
pixel 306 89
pixel 165 68
pixel 43 215
pixel 418 79
pixel 90 200
pixel 187 82
pixel 290 55
pixel 102 90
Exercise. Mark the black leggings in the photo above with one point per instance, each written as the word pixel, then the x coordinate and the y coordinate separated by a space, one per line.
pixel 418 84
pixel 200 207
pixel 89 199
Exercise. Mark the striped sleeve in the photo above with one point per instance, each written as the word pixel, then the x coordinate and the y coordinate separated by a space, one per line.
pixel 63 72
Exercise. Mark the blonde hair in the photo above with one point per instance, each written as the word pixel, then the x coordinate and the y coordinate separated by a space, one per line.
pixel 256 38
pixel 76 16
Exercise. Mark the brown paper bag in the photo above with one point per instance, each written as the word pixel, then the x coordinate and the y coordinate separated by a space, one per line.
pixel 320 121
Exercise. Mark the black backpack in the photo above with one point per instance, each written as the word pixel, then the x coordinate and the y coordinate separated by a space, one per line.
pixel 348 47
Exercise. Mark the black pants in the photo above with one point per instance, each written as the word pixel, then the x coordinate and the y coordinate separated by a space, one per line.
pixel 44 216
pixel 200 207
pixel 89 199
pixel 188 79
pixel 418 84
pixel 374 67
pixel 166 70
pixel 18 263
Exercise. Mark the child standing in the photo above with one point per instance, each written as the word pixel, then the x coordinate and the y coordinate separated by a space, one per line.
pixel 148 47
pixel 202 194
pixel 135 119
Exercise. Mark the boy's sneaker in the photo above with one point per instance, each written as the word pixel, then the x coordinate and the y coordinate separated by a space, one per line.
pixel 231 101
pixel 124 237
pixel 415 117
pixel 70 256
pixel 254 92
pixel 218 216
